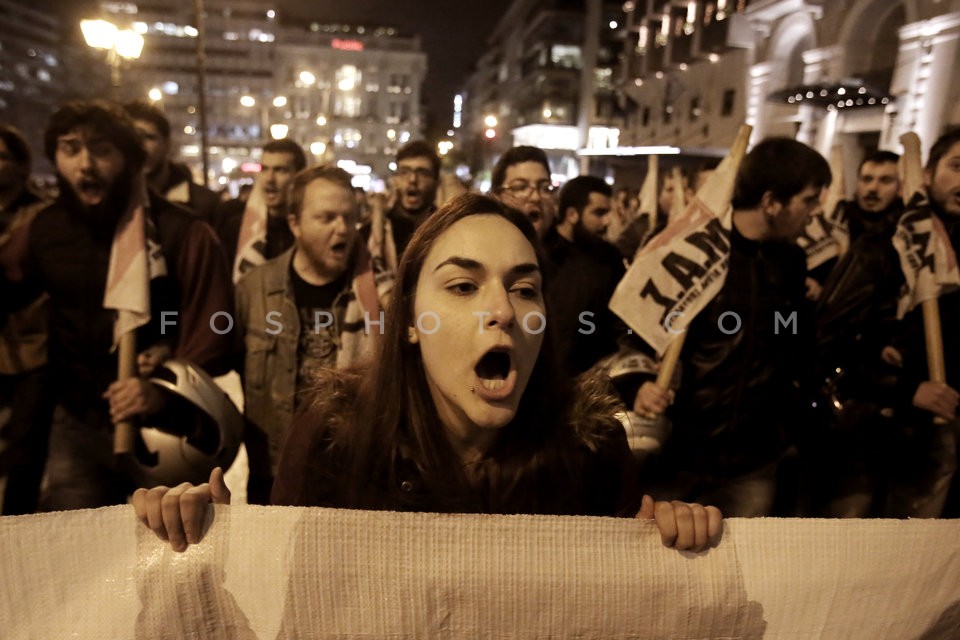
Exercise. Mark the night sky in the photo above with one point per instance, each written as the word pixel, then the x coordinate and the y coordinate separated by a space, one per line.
pixel 453 33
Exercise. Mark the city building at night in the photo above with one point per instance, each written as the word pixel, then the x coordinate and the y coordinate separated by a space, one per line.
pixel 352 91
pixel 679 77
pixel 854 74
pixel 33 77
pixel 526 88
pixel 349 92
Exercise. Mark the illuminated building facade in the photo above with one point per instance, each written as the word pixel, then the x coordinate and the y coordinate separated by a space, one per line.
pixel 347 93
pixel 854 74
pixel 527 86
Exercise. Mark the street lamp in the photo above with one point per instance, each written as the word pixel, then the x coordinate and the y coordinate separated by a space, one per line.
pixel 120 44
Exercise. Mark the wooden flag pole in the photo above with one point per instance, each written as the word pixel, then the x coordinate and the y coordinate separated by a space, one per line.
pixel 837 189
pixel 932 333
pixel 716 194
pixel 123 433
pixel 679 197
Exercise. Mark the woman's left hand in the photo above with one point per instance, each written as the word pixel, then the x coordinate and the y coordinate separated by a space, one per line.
pixel 684 526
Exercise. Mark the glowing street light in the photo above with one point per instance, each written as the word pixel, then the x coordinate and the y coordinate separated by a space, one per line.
pixel 248 101
pixel 154 94
pixel 278 131
pixel 307 78
pixel 99 34
pixel 280 101
pixel 128 44
pixel 490 121
pixel 120 44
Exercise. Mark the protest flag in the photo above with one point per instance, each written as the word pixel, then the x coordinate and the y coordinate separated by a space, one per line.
pixel 648 202
pixel 680 270
pixel 135 258
pixel 679 205
pixel 826 235
pixel 252 240
pixel 926 256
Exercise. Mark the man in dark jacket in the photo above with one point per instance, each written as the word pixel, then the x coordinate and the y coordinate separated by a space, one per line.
pixel 745 350
pixel 856 319
pixel 925 451
pixel 585 270
pixel 98 156
pixel 255 230
pixel 169 179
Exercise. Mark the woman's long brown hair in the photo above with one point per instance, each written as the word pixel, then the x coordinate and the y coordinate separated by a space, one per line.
pixel 386 419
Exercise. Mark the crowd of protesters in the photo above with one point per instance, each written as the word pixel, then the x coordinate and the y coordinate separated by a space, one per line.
pixel 426 351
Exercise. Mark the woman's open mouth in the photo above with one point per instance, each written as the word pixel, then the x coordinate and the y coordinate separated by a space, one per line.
pixel 496 373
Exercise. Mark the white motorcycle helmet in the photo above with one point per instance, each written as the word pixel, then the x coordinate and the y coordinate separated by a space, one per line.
pixel 645 436
pixel 199 429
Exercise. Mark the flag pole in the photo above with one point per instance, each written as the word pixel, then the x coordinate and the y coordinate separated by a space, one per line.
pixel 716 194
pixel 123 433
pixel 679 197
pixel 932 333
pixel 837 190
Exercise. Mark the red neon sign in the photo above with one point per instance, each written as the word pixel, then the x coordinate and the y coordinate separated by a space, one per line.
pixel 347 45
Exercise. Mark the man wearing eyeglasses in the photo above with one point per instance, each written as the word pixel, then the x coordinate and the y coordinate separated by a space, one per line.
pixel 521 179
pixel 415 182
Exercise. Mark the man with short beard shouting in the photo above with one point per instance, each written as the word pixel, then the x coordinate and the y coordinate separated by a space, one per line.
pixel 99 159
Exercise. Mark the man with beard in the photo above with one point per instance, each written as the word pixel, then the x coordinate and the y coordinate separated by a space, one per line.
pixel 521 179
pixel 315 306
pixel 98 156
pixel 924 455
pixel 740 367
pixel 170 180
pixel 255 230
pixel 856 319
pixel 588 269
pixel 415 183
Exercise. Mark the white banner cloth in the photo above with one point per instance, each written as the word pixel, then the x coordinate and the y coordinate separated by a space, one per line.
pixel 268 572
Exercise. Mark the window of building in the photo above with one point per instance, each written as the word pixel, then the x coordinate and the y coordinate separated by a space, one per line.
pixel 398 112
pixel 695 110
pixel 398 82
pixel 348 106
pixel 603 78
pixel 567 56
pixel 729 97
pixel 348 138
pixel 348 77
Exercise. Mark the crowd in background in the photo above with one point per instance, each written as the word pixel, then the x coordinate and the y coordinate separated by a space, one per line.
pixel 833 416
